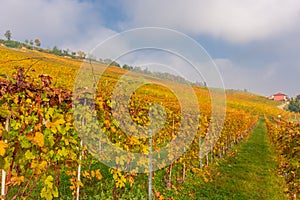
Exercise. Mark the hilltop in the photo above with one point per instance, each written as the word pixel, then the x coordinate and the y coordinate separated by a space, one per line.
pixel 63 70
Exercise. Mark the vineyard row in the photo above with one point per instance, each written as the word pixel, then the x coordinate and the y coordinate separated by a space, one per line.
pixel 40 147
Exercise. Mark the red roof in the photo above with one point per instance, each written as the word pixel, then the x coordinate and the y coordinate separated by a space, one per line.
pixel 279 94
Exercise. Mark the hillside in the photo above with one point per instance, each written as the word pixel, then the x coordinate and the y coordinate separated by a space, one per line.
pixel 64 70
pixel 51 146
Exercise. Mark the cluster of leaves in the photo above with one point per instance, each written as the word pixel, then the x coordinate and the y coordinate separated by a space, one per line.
pixel 37 137
pixel 286 139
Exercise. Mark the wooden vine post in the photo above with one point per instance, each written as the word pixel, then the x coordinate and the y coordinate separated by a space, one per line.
pixel 80 157
pixel 3 172
pixel 150 160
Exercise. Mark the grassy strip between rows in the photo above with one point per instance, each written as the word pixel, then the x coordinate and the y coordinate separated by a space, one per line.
pixel 248 172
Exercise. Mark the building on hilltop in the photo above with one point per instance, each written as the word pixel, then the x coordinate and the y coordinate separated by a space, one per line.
pixel 279 97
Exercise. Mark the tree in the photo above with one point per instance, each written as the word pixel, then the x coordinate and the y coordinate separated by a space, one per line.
pixel 110 62
pixel 73 54
pixel 81 54
pixel 65 52
pixel 31 42
pixel 114 63
pixel 137 69
pixel 107 61
pixel 127 67
pixel 294 105
pixel 26 41
pixel 7 34
pixel 37 42
pixel 57 51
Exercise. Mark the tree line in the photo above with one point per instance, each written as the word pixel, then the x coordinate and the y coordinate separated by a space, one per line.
pixel 36 44
pixel 82 55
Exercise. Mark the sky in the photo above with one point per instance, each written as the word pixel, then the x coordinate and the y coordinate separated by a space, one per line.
pixel 254 43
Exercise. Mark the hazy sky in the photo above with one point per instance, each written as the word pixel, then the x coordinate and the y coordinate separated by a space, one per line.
pixel 255 43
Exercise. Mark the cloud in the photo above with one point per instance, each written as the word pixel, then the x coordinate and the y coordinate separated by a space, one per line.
pixel 234 21
pixel 67 23
pixel 267 79
pixel 255 44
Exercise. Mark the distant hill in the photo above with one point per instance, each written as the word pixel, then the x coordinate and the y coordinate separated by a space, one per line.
pixel 63 70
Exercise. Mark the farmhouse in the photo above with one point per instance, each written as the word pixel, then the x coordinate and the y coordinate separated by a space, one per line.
pixel 279 97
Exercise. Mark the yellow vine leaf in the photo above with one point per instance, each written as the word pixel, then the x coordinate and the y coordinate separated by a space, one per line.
pixel 98 174
pixel 205 179
pixel 43 165
pixel 49 190
pixel 59 122
pixel 130 180
pixel 1 128
pixel 161 197
pixel 3 146
pixel 29 155
pixel 15 180
pixel 73 184
pixel 39 139
pixel 86 174
pixel 121 182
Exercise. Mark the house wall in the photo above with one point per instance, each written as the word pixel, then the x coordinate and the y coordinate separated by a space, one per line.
pixel 279 98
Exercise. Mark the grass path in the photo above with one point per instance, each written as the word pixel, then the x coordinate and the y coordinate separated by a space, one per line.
pixel 250 174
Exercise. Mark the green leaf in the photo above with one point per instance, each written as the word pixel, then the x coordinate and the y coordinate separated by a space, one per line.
pixel 49 190
pixel 29 155
pixel 25 143
pixel 49 135
pixel 62 152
